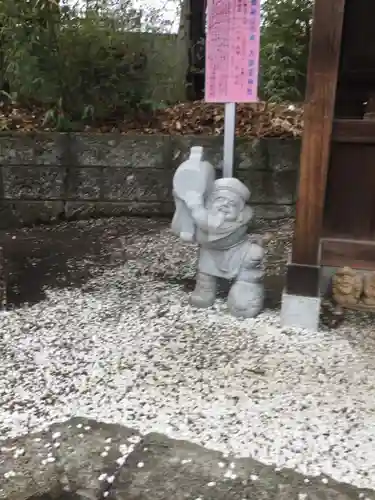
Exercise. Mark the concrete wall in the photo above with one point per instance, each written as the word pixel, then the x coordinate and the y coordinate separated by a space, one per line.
pixel 46 177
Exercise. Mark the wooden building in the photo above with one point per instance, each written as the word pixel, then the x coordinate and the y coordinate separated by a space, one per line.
pixel 335 219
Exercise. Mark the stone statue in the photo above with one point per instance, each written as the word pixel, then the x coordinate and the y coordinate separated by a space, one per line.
pixel 214 214
pixel 353 290
pixel 347 287
pixel 369 290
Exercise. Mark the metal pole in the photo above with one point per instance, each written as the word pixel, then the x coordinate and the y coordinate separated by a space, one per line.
pixel 229 134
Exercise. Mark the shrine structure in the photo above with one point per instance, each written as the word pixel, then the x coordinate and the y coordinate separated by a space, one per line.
pixel 335 213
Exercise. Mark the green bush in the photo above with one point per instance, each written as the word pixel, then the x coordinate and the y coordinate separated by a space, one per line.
pixel 284 48
pixel 79 66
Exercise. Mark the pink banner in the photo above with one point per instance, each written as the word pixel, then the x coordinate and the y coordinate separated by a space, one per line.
pixel 232 50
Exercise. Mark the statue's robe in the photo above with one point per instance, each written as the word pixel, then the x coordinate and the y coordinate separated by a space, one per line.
pixel 225 249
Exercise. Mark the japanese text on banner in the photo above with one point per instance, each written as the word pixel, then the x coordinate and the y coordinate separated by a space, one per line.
pixel 232 50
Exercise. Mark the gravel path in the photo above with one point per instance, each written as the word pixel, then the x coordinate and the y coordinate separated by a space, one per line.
pixel 121 344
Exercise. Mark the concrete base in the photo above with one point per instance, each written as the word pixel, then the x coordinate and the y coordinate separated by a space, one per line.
pixel 300 312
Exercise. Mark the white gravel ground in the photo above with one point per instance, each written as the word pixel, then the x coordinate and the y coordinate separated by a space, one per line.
pixel 127 348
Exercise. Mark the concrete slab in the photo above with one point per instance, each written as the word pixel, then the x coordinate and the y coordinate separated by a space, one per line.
pixel 166 469
pixel 300 312
pixel 154 467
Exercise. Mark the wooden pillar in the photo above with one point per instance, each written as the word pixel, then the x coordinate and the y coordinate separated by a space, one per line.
pixel 3 282
pixel 323 65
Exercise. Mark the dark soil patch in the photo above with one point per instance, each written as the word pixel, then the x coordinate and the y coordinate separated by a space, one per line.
pixel 64 255
pixel 68 254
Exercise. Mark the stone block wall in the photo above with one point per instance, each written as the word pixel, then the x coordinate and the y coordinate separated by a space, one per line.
pixel 52 176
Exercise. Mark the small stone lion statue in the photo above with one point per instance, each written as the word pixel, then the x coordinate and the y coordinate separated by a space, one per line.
pixel 369 290
pixel 347 286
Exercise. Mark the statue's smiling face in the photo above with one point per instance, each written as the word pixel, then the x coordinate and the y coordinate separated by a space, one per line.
pixel 227 203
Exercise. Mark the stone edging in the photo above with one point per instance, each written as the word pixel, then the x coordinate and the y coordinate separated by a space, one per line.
pixel 46 177
pixel 84 459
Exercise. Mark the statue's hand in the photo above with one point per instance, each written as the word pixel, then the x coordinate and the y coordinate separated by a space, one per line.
pixel 193 199
pixel 215 219
pixel 187 237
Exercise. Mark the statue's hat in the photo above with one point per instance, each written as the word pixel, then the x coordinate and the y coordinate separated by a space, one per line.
pixel 234 185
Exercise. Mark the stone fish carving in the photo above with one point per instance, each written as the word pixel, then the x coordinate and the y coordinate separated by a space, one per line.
pixel 215 215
